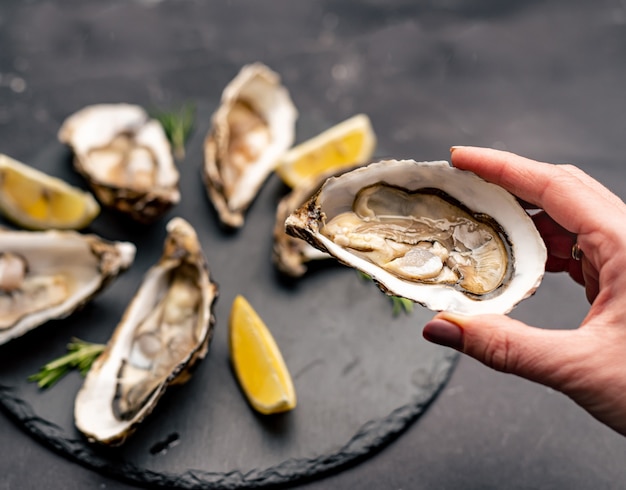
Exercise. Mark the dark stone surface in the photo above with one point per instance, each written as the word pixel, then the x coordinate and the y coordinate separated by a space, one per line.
pixel 361 375
pixel 541 79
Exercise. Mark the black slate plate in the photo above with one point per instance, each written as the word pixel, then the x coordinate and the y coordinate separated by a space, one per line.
pixel 361 374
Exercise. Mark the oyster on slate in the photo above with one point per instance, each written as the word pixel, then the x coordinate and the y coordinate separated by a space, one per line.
pixel 165 330
pixel 46 275
pixel 125 157
pixel 250 131
pixel 427 232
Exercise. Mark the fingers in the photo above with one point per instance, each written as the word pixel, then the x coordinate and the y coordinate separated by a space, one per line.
pixel 588 276
pixel 585 364
pixel 571 197
pixel 558 240
pixel 559 243
pixel 507 345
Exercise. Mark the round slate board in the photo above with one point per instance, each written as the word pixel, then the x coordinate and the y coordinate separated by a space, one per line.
pixel 361 374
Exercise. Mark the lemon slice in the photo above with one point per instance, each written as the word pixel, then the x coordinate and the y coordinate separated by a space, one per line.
pixel 348 143
pixel 257 361
pixel 37 201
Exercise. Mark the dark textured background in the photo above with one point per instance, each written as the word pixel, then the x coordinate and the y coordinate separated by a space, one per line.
pixel 544 79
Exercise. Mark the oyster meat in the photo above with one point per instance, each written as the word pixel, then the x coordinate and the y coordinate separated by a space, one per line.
pixel 250 131
pixel 48 275
pixel 164 332
pixel 125 157
pixel 428 232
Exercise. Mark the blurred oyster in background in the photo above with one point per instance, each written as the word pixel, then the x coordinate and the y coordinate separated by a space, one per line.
pixel 49 274
pixel 126 158
pixel 250 131
pixel 165 330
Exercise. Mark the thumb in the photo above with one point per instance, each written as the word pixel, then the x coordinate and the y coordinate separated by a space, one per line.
pixel 505 345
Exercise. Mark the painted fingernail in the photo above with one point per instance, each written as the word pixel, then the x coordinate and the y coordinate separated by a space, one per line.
pixel 445 333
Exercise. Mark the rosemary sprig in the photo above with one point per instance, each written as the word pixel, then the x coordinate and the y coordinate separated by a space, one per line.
pixel 398 304
pixel 401 304
pixel 80 356
pixel 177 126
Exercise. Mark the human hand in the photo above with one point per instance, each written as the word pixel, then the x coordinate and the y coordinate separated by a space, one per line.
pixel 587 363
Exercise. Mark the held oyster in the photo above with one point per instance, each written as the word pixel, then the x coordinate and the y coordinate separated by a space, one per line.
pixel 164 332
pixel 428 232
pixel 251 130
pixel 48 275
pixel 125 157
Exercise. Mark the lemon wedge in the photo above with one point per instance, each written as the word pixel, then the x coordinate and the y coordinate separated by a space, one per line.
pixel 37 201
pixel 257 361
pixel 348 143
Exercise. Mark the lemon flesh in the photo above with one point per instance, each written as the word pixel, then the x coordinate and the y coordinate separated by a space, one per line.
pixel 257 361
pixel 343 145
pixel 34 200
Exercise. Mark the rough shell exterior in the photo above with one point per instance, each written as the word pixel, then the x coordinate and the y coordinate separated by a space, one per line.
pixel 290 254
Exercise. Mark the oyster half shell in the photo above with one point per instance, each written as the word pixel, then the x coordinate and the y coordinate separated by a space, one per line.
pixel 46 275
pixel 125 157
pixel 165 330
pixel 250 131
pixel 428 232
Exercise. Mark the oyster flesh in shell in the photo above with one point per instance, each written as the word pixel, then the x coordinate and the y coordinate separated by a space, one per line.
pixel 46 275
pixel 165 330
pixel 250 131
pixel 125 157
pixel 428 232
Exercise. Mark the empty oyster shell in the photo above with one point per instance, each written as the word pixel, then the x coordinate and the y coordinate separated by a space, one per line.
pixel 125 157
pixel 48 275
pixel 251 130
pixel 165 330
pixel 428 232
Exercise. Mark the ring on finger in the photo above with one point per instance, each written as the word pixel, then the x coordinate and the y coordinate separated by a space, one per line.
pixel 577 253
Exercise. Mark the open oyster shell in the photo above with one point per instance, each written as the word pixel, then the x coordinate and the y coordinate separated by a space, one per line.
pixel 48 275
pixel 165 330
pixel 252 128
pixel 125 157
pixel 428 232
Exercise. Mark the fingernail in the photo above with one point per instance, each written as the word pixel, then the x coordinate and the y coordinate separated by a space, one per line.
pixel 452 148
pixel 444 333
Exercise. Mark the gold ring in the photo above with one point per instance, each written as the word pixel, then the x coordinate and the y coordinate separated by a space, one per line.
pixel 577 253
